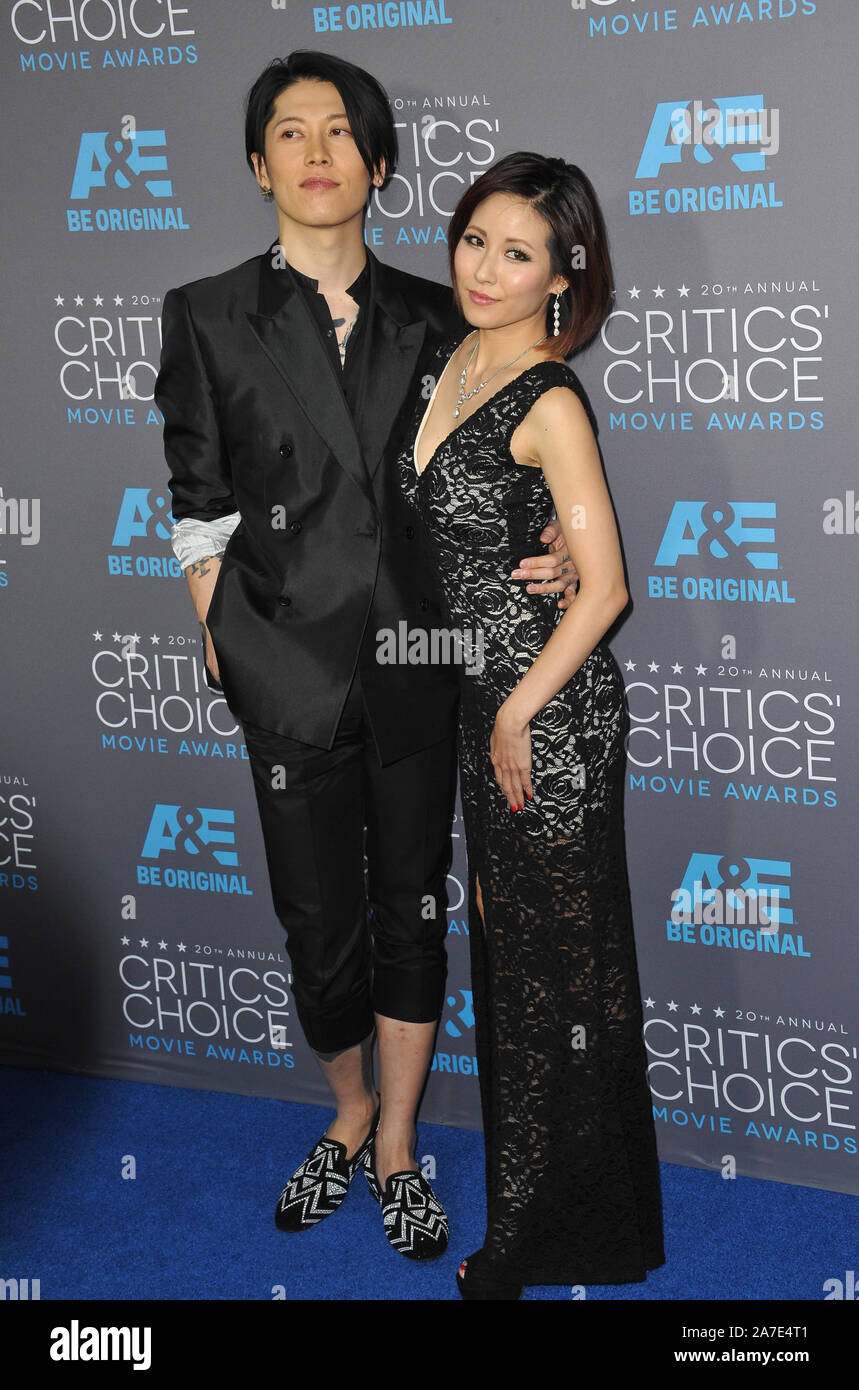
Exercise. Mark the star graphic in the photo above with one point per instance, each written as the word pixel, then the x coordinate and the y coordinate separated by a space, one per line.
pixel 654 666
pixel 182 946
pixel 677 668
pixel 695 1008
pixel 683 291
pixel 700 670
pixel 98 299
pixel 143 941
pixel 125 940
pixel 720 1013
pixel 59 301
pixel 134 638
pixel 659 292
pixel 117 637
pixel 672 1006
pixel 79 299
pixel 96 637
pixel 154 639
pixel 117 299
pixel 162 945
pixel 630 665
pixel 649 1003
pixel 634 292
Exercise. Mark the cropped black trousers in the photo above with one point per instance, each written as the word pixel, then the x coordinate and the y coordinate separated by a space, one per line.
pixel 358 855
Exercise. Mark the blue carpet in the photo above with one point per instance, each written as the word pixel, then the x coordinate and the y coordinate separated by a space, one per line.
pixel 197 1220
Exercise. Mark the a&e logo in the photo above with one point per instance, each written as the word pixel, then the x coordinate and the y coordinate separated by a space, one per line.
pixel 131 162
pixel 732 134
pixel 192 834
pixel 9 1002
pixel 121 161
pixel 721 535
pixel 730 529
pixel 144 518
pixel 725 900
pixel 464 1016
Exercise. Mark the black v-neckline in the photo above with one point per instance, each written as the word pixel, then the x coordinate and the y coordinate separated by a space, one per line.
pixel 423 471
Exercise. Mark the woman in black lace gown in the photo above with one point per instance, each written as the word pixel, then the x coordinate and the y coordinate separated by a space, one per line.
pixel 571 1168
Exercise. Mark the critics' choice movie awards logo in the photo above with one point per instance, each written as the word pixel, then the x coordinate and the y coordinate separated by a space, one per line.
pixel 121 182
pixel 140 548
pixel 234 1009
pixel 108 348
pixel 152 698
pixel 18 864
pixel 763 736
pixel 446 141
pixel 702 156
pixel 730 902
pixel 732 358
pixel 628 19
pixel 192 847
pixel 734 541
pixel 722 1072
pixel 71 36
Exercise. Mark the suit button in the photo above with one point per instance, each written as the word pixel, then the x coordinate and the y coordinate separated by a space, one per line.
pixel 284 602
pixel 296 526
pixel 410 533
pixel 424 605
pixel 285 450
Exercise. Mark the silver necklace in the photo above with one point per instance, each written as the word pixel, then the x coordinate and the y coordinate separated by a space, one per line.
pixel 464 395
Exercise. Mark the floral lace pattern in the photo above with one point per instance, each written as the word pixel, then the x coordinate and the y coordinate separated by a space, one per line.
pixel 571 1168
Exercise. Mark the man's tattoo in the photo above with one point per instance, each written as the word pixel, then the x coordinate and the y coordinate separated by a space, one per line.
pixel 200 567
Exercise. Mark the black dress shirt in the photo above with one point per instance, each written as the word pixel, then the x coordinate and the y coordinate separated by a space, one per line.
pixel 351 370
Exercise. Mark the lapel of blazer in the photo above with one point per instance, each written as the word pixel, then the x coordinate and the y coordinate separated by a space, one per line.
pixel 396 340
pixel 287 335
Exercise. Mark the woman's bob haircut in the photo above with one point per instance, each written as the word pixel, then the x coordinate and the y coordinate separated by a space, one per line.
pixel 578 244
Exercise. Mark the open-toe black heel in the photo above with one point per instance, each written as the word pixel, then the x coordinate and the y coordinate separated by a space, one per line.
pixel 474 1281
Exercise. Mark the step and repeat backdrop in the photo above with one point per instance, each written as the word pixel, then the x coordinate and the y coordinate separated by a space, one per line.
pixel 137 937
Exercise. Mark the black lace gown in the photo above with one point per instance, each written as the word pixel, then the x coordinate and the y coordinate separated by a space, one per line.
pixel 572 1178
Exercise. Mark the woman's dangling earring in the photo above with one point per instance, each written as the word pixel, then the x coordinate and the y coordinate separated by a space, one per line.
pixel 557 315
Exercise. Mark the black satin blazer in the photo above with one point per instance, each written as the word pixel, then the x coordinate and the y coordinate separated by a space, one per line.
pixel 327 552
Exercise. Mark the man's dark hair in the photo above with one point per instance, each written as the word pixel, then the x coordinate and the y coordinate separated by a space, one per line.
pixel 364 100
pixel 578 245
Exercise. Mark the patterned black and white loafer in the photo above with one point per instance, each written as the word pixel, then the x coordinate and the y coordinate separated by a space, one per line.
pixel 321 1184
pixel 415 1220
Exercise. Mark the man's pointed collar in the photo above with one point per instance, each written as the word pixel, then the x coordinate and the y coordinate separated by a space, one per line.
pixel 279 280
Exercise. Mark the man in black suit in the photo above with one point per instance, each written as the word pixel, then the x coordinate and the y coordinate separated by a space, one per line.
pixel 282 386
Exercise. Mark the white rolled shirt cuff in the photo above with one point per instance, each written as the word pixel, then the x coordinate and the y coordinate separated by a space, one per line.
pixel 193 539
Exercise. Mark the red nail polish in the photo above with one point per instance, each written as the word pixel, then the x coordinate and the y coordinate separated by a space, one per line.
pixel 529 796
